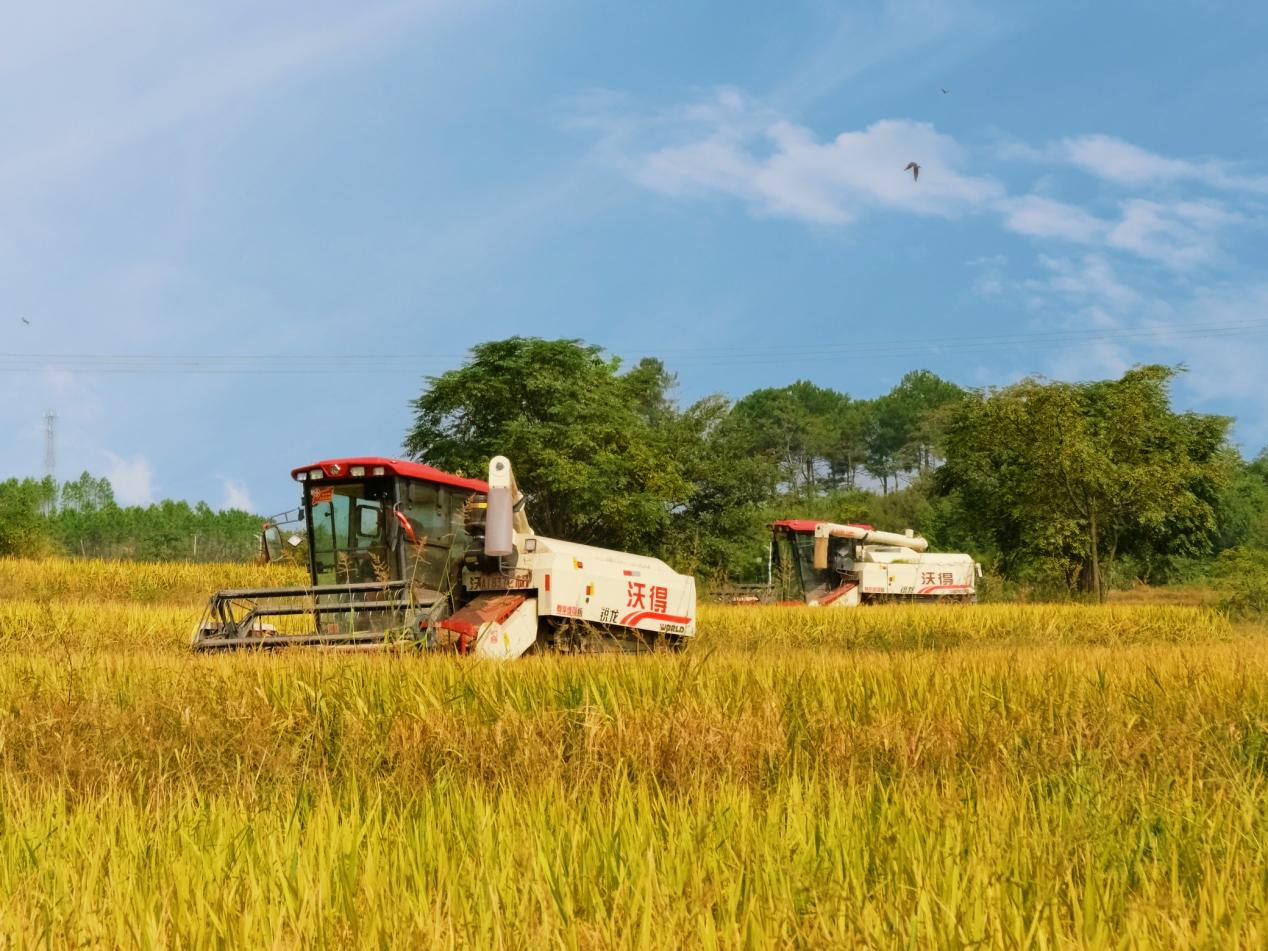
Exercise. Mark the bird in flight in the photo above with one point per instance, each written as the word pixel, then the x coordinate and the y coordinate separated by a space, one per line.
pixel 945 92
pixel 25 321
pixel 915 171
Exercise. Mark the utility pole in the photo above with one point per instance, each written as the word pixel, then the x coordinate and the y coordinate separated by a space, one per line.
pixel 50 456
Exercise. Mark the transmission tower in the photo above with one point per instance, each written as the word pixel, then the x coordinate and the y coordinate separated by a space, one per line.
pixel 50 453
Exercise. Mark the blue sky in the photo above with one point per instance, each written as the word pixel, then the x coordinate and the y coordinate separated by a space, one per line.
pixel 277 190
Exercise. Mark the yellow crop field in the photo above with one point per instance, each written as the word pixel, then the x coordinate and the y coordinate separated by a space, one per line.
pixel 65 579
pixel 958 776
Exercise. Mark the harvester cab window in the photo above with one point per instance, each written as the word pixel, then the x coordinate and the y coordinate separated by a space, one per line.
pixel 815 581
pixel 348 535
pixel 435 515
pixel 424 506
pixel 842 553
pixel 787 576
pixel 796 575
pixel 369 520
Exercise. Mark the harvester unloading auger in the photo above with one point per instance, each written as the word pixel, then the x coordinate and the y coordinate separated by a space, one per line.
pixel 400 553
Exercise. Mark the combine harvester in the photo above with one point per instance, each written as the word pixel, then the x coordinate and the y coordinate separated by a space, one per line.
pixel 400 553
pixel 822 563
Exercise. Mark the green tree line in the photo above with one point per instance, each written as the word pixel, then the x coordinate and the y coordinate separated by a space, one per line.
pixel 1075 486
pixel 1052 485
pixel 81 518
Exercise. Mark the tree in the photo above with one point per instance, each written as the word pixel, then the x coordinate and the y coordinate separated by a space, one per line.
pixel 907 426
pixel 855 422
pixel 593 449
pixel 23 524
pixel 1242 511
pixel 1079 474
pixel 87 494
pixel 719 528
pixel 800 426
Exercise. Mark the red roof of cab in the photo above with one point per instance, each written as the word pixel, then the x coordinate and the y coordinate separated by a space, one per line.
pixel 797 524
pixel 808 524
pixel 339 468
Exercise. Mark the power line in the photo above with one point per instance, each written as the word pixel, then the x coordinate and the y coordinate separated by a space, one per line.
pixel 973 345
pixel 737 355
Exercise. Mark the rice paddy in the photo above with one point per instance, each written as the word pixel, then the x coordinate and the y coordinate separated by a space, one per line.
pixel 985 776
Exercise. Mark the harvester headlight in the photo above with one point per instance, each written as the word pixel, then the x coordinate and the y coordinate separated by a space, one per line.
pixel 357 471
pixel 379 470
pixel 301 477
pixel 316 474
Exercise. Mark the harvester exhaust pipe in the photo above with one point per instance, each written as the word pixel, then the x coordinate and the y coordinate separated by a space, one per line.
pixel 499 533
pixel 826 530
pixel 505 515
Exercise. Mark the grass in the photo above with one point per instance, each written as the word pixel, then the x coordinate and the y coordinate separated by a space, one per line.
pixel 1188 594
pixel 97 580
pixel 989 776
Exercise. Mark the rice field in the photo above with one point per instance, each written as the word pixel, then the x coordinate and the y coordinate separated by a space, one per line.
pixel 971 776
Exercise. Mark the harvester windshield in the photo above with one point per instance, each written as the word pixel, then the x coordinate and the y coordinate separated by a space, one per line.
pixel 386 529
pixel 349 531
pixel 793 571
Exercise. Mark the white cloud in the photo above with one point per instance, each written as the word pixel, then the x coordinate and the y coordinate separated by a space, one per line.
pixel 1123 163
pixel 132 479
pixel 1179 235
pixel 1226 356
pixel 1041 217
pixel 1090 278
pixel 236 495
pixel 1128 295
pixel 727 146
pixel 1119 319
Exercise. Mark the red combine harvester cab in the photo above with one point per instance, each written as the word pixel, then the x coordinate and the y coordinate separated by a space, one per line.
pixel 385 541
pixel 360 511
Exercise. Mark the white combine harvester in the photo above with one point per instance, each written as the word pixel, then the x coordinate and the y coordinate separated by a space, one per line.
pixel 823 563
pixel 401 553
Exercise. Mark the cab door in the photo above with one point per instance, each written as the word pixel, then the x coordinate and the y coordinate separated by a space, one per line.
pixel 785 569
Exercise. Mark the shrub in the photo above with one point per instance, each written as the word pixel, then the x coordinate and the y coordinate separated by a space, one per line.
pixel 1241 575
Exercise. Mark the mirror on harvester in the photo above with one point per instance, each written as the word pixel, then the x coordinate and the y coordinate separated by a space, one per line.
pixel 369 520
pixel 272 543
